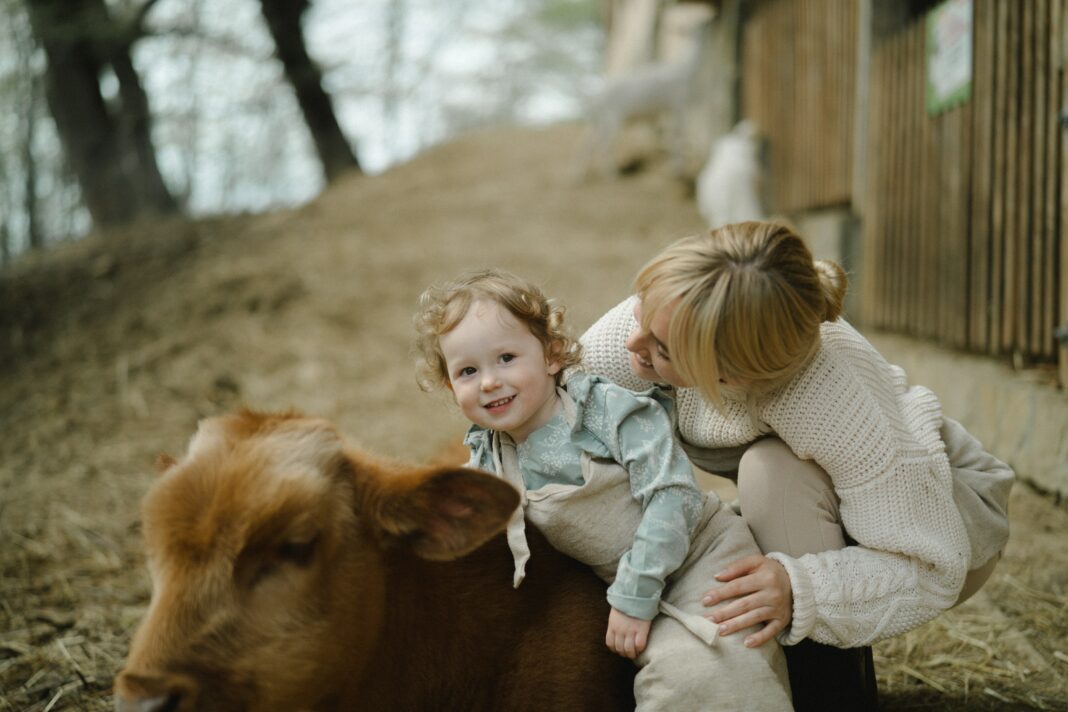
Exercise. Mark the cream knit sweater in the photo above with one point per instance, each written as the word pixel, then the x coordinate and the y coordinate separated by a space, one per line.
pixel 878 439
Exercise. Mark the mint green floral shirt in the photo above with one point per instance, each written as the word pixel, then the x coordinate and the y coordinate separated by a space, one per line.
pixel 635 430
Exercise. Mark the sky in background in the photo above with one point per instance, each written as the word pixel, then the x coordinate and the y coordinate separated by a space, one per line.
pixel 229 136
pixel 404 75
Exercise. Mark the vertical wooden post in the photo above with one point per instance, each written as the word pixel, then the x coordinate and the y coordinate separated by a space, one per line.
pixel 1061 226
pixel 983 153
pixel 1051 175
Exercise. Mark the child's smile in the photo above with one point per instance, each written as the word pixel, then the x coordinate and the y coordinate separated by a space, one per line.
pixel 498 406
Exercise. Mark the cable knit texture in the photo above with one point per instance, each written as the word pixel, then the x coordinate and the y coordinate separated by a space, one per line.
pixel 854 414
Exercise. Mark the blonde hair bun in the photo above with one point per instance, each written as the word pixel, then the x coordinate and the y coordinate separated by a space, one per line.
pixel 833 283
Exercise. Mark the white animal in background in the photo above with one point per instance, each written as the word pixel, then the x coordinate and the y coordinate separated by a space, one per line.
pixel 729 185
pixel 649 92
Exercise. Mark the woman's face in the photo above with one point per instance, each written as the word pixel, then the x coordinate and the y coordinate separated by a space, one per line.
pixel 649 356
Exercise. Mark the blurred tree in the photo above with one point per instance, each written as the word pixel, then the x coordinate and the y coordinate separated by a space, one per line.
pixel 20 87
pixel 284 22
pixel 107 140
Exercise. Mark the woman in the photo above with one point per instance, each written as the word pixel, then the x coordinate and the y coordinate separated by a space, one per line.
pixel 874 511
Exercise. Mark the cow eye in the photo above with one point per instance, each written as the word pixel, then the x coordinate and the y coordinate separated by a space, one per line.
pixel 298 552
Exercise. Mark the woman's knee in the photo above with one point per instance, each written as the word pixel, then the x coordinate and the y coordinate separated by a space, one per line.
pixel 788 503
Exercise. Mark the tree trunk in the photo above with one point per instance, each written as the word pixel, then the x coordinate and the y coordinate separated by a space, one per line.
pixel 109 148
pixel 284 22
pixel 29 165
pixel 135 130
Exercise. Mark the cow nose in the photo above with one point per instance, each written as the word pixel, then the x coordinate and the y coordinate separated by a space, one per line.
pixel 161 703
pixel 147 693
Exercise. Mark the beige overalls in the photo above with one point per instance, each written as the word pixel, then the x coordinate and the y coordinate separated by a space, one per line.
pixel 686 664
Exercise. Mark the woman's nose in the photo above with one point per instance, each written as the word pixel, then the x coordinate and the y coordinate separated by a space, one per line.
pixel 635 343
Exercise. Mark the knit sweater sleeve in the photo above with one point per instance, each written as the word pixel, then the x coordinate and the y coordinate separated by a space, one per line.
pixel 874 439
pixel 604 350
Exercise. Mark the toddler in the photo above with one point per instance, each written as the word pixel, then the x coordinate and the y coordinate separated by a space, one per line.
pixel 601 475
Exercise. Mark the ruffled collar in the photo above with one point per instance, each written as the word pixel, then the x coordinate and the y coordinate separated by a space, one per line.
pixel 575 396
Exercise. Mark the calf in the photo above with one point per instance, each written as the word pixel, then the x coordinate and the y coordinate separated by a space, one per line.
pixel 291 572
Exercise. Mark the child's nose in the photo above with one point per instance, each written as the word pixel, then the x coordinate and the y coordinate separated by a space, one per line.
pixel 489 380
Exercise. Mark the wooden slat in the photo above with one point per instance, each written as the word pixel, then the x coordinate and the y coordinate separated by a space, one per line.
pixel 785 67
pixel 895 236
pixel 1039 118
pixel 917 177
pixel 1012 175
pixel 929 185
pixel 982 150
pixel 910 212
pixel 936 149
pixel 849 95
pixel 885 169
pixel 950 256
pixel 964 164
pixel 907 223
pixel 884 50
pixel 1054 174
pixel 895 167
pixel 1024 241
pixel 999 174
pixel 895 264
pixel 874 222
pixel 802 108
pixel 1063 64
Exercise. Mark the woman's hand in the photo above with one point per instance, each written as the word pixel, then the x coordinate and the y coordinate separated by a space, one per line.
pixel 762 593
pixel 626 636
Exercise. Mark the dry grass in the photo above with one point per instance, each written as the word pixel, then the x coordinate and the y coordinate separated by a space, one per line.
pixel 115 347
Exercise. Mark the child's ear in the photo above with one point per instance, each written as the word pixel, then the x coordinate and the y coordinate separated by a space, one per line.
pixel 552 358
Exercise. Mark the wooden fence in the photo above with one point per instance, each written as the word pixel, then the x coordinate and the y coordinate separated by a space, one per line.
pixel 798 86
pixel 963 212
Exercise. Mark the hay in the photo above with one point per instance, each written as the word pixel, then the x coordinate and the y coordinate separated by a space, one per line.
pixel 309 309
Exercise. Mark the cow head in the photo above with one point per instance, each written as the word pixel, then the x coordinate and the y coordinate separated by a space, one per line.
pixel 265 547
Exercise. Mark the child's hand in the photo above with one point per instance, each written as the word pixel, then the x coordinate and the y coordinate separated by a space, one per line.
pixel 762 592
pixel 626 636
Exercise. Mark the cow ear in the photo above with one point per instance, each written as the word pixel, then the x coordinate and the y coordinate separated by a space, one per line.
pixel 448 512
pixel 164 462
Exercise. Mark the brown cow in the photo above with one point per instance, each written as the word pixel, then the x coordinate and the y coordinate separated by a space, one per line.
pixel 291 572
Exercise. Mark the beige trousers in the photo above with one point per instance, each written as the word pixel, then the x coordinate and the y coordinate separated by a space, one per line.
pixel 686 666
pixel 791 507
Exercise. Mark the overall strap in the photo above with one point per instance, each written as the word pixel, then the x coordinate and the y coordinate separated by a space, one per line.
pixel 506 462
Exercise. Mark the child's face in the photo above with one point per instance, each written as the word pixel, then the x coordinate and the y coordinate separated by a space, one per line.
pixel 498 371
pixel 649 357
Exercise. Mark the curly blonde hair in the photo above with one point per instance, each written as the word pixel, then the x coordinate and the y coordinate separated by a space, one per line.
pixel 442 307
pixel 747 300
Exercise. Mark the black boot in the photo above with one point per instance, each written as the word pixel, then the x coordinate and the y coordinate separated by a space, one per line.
pixel 828 679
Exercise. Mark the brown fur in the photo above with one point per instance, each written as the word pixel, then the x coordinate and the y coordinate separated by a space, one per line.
pixel 293 573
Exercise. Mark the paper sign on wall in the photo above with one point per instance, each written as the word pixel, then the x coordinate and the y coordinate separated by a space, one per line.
pixel 949 55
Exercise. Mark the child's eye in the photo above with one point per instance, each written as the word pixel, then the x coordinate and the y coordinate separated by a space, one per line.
pixel 507 357
pixel 467 371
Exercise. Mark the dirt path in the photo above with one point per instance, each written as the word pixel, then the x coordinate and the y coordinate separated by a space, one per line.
pixel 114 348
